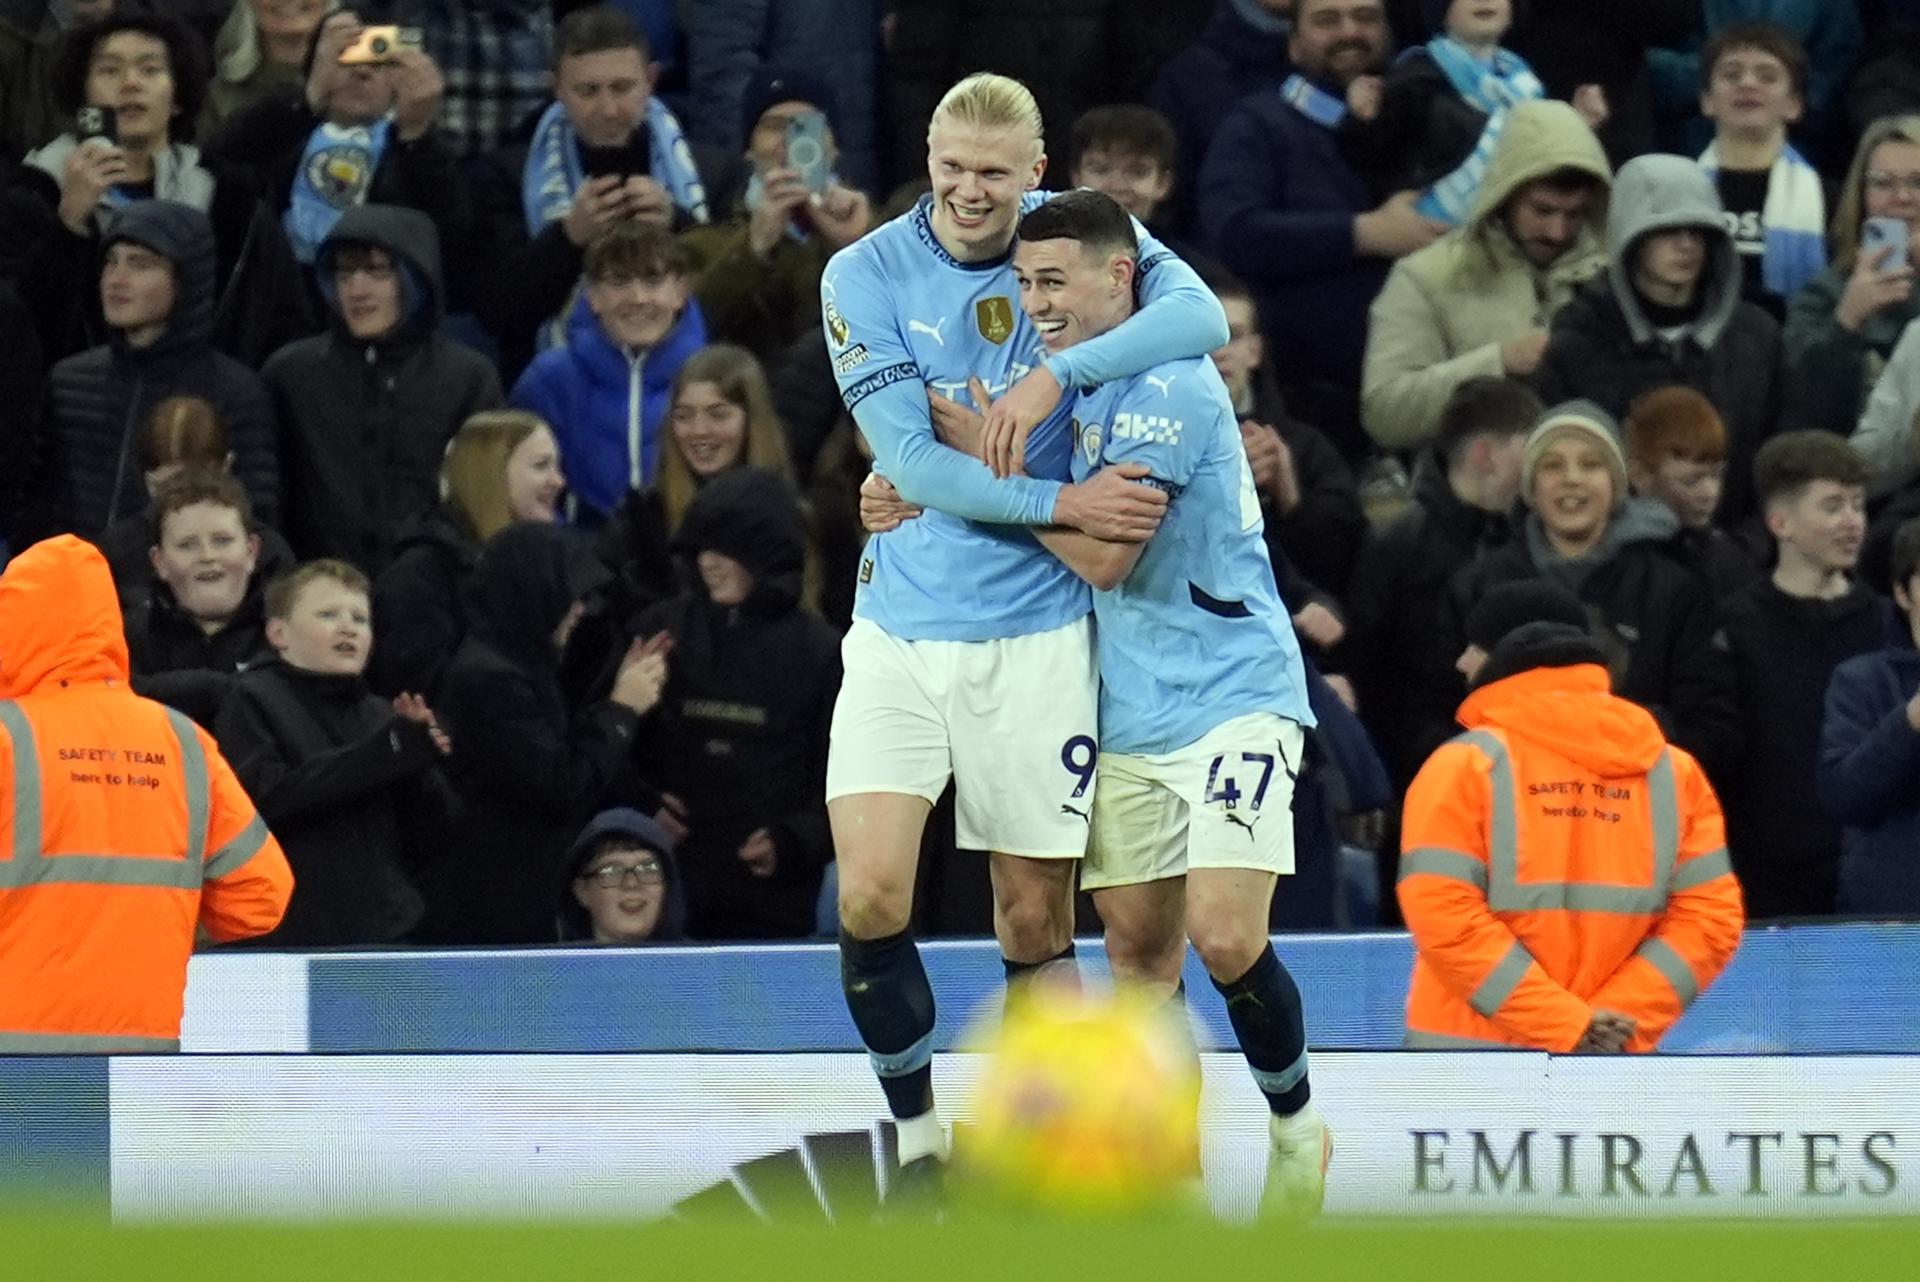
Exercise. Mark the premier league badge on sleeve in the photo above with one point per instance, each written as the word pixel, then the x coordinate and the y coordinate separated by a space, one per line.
pixel 995 318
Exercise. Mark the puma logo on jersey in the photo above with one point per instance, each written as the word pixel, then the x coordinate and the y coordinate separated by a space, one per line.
pixel 1164 384
pixel 1069 810
pixel 1234 818
pixel 932 331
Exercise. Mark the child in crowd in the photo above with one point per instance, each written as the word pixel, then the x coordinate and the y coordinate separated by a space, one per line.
pixel 1786 634
pixel 1869 765
pixel 1677 453
pixel 623 887
pixel 1753 83
pixel 501 466
pixel 200 620
pixel 182 434
pixel 720 417
pixel 1431 126
pixel 349 782
pixel 1127 152
pixel 741 736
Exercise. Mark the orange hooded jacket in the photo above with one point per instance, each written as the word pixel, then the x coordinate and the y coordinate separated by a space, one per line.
pixel 1560 857
pixel 121 827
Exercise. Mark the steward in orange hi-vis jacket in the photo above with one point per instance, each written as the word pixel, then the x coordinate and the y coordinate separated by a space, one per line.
pixel 121 827
pixel 1563 869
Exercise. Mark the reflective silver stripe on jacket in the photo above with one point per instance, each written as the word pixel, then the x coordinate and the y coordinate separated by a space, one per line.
pixel 1507 893
pixel 31 865
pixel 85 1044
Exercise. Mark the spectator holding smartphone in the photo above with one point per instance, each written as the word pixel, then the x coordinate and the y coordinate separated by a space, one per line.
pixel 1842 327
pixel 757 274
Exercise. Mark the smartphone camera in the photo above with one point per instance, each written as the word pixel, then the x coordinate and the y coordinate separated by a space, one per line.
pixel 96 122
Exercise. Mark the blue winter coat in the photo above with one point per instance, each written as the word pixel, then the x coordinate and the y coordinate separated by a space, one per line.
pixel 1278 201
pixel 1870 780
pixel 605 407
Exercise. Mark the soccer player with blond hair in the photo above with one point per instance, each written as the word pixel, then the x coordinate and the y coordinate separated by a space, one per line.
pixel 971 653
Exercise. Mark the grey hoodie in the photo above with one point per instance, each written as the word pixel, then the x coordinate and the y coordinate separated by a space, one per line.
pixel 1662 193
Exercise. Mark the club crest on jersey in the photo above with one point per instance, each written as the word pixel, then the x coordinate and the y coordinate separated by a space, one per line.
pixel 995 318
pixel 836 325
pixel 1089 434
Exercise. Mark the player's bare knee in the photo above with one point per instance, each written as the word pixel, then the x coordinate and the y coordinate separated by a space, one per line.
pixel 873 908
pixel 1033 927
pixel 1228 948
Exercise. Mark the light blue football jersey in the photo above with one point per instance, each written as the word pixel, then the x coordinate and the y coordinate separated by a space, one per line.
pixel 1196 635
pixel 905 318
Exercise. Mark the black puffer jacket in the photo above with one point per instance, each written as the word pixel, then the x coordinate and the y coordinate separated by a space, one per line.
pixel 1650 611
pixel 1399 653
pixel 364 425
pixel 353 792
pixel 174 661
pixel 420 611
pixel 89 470
pixel 742 731
pixel 530 769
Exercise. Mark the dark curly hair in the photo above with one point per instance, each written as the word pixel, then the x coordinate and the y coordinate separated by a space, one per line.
pixel 186 62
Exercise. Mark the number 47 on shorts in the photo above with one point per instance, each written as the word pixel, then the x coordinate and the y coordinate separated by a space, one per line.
pixel 1226 790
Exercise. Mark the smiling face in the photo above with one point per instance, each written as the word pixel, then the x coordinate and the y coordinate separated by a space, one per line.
pixel 1751 92
pixel 623 888
pixel 1137 181
pixel 328 629
pixel 534 479
pixel 287 19
pixel 1825 522
pixel 710 430
pixel 1573 489
pixel 131 72
pixel 1339 40
pixel 1071 293
pixel 637 312
pixel 978 178
pixel 206 558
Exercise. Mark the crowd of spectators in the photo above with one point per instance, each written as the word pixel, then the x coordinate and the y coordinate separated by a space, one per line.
pixel 459 427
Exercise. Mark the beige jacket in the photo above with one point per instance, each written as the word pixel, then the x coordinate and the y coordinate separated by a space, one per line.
pixel 1446 310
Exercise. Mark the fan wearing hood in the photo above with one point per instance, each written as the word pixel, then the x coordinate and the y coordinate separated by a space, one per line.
pixel 741 737
pixel 623 886
pixel 1669 310
pixel 1564 870
pixel 366 410
pixel 1583 532
pixel 531 769
pixel 156 286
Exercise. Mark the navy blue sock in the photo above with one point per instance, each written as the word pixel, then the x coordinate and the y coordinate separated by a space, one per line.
pixel 1020 970
pixel 892 1005
pixel 1264 1008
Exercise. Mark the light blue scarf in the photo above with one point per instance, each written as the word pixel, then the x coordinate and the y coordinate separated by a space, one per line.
pixel 554 172
pixel 335 172
pixel 1313 102
pixel 1496 88
pixel 1794 218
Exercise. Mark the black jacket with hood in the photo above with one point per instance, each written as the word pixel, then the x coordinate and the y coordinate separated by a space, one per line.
pixel 741 736
pixel 352 791
pixel 531 770
pixel 1604 348
pixel 574 923
pixel 420 610
pixel 365 424
pixel 177 663
pixel 1654 615
pixel 1397 650
pixel 99 401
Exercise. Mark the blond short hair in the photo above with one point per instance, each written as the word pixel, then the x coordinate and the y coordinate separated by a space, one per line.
pixel 988 101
